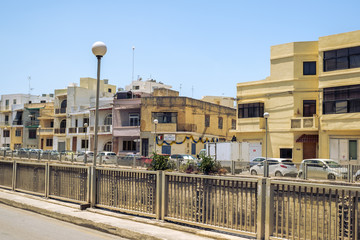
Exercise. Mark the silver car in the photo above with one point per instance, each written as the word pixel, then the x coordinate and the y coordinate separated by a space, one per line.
pixel 277 167
pixel 323 169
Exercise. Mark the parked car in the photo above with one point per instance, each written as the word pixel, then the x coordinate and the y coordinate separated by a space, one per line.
pixel 356 176
pixel 277 167
pixel 323 169
pixel 80 157
pixel 106 157
pixel 50 154
pixel 67 155
pixel 183 158
pixel 256 161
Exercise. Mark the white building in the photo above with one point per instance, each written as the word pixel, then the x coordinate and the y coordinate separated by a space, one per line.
pixel 148 86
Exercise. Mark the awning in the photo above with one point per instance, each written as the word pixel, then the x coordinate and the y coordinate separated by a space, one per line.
pixel 308 138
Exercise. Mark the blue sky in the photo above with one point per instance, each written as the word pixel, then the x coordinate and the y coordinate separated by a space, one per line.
pixel 206 46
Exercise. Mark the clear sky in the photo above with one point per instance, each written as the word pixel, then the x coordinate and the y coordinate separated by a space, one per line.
pixel 205 46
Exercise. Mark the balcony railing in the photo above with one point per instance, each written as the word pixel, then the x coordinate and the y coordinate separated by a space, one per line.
pixel 72 130
pixel 102 129
pixel 60 130
pixel 304 123
pixel 60 110
pixel 32 123
pixel 46 130
pixel 82 130
pixel 17 122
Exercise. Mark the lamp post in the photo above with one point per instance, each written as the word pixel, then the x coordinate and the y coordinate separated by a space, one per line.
pixel 266 165
pixel 85 130
pixel 99 50
pixel 155 122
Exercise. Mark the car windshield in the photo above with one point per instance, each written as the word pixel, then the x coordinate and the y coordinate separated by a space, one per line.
pixel 287 162
pixel 112 154
pixel 333 164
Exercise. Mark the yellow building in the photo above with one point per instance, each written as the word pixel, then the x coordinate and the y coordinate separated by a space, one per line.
pixel 183 123
pixel 46 127
pixel 312 99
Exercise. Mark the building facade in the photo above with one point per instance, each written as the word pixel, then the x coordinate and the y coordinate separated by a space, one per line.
pixel 183 124
pixel 311 97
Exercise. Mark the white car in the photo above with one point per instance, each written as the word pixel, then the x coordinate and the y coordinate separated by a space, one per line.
pixel 80 157
pixel 107 157
pixel 277 167
pixel 323 169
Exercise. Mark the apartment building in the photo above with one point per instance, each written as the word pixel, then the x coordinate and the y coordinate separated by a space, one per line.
pixel 46 126
pixel 72 110
pixel 183 124
pixel 145 86
pixel 312 98
pixel 12 114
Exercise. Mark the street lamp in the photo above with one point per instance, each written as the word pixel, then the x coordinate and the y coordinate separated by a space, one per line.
pixel 266 165
pixel 99 50
pixel 155 122
pixel 85 130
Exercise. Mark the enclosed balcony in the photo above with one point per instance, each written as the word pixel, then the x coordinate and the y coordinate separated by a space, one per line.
pixel 304 123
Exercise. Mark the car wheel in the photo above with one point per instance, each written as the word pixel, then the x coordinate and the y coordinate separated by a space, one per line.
pixel 300 175
pixel 331 176
pixel 253 172
pixel 278 174
pixel 357 178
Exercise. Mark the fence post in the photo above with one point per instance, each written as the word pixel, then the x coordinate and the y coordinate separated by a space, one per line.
pixel 350 173
pixel 232 167
pixel 47 180
pixel 14 175
pixel 164 195
pixel 269 208
pixel 261 208
pixel 88 184
pixel 159 175
pixel 134 162
pixel 305 171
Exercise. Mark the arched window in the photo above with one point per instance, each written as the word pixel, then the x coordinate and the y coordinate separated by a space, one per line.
pixel 108 119
pixel 63 104
pixel 108 147
pixel 63 124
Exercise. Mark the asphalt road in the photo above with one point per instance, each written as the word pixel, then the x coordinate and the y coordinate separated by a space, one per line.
pixel 18 224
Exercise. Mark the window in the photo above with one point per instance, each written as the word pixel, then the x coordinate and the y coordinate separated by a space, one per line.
pixel 207 120
pixel 108 147
pixel 52 124
pixel 49 142
pixel 353 149
pixel 134 119
pixel 32 133
pixel 108 119
pixel 309 108
pixel 7 102
pixel 165 149
pixel 136 87
pixel 43 101
pixel 63 104
pixel 251 110
pixel 345 99
pixel 6 119
pixel 309 68
pixel 165 117
pixel 6 133
pixel 233 124
pixel 84 143
pixel 129 146
pixel 342 59
pixel 220 123
pixel 76 122
pixel 14 101
pixel 285 152
pixel 193 148
pixel 86 120
pixel 109 90
pixel 18 133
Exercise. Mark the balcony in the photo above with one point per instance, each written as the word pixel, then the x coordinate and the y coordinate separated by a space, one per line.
pixel 72 130
pixel 17 122
pixel 304 123
pixel 46 131
pixel 186 127
pixel 102 129
pixel 60 130
pixel 32 123
pixel 60 111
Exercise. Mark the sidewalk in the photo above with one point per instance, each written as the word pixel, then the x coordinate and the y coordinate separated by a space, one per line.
pixel 123 225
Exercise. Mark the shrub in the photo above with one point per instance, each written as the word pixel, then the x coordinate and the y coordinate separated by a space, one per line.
pixel 189 167
pixel 209 165
pixel 160 162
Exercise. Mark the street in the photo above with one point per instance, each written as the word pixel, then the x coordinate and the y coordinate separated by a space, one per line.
pixel 19 224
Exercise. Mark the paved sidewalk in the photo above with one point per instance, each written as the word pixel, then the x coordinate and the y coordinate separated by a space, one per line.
pixel 123 225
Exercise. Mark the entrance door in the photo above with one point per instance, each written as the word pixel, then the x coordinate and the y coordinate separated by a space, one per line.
pixel 309 150
pixel 145 147
pixel 61 146
pixel 74 143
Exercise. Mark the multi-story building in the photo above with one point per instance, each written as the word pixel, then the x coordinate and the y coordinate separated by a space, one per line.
pixel 148 86
pixel 46 127
pixel 12 116
pixel 72 112
pixel 312 97
pixel 184 124
pixel 220 100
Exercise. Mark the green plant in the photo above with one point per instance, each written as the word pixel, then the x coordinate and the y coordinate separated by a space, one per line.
pixel 209 165
pixel 160 162
pixel 189 167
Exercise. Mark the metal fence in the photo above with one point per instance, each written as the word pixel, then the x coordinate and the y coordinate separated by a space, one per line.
pixel 266 208
pixel 210 201
pixel 130 191
pixel 303 210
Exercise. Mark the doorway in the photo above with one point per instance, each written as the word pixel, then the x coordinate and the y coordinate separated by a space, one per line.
pixel 309 150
